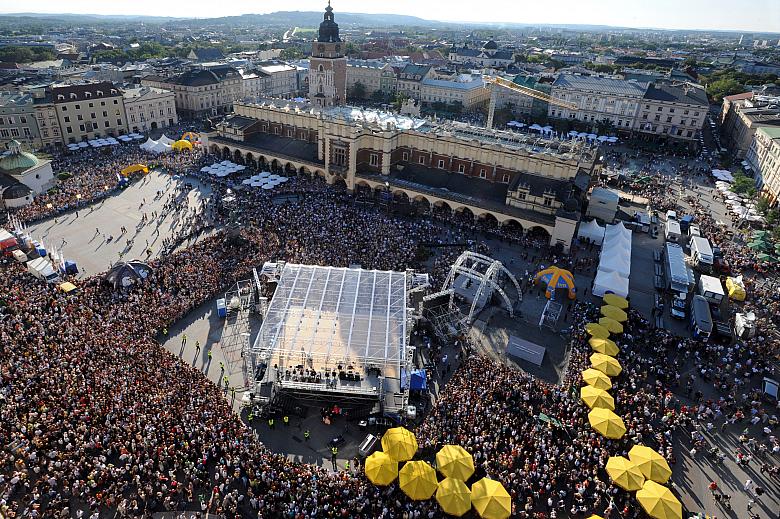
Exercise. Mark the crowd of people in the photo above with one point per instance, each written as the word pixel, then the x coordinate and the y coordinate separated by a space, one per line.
pixel 98 418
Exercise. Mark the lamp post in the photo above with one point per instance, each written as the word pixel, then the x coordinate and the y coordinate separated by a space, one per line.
pixel 389 196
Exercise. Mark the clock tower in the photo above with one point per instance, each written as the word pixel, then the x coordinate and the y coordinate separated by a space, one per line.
pixel 328 65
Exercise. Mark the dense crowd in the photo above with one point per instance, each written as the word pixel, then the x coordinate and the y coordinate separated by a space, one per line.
pixel 95 415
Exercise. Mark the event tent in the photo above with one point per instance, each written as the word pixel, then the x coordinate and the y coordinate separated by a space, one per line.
pixel 610 282
pixel 592 231
pixel 165 140
pixel 617 262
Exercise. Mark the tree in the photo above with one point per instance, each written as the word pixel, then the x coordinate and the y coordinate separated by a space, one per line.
pixel 743 185
pixel 762 205
pixel 456 107
pixel 19 54
pixel 400 99
pixel 378 96
pixel 291 53
pixel 605 127
pixel 772 217
pixel 358 91
pixel 724 87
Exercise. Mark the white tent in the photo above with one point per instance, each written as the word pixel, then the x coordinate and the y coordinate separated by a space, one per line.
pixel 160 147
pixel 592 231
pixel 165 140
pixel 617 262
pixel 610 282
pixel 148 145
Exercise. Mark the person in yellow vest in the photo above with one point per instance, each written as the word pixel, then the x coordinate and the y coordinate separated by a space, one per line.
pixel 286 420
pixel 271 423
pixel 306 435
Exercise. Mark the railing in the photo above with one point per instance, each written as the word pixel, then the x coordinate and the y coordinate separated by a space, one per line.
pixel 321 386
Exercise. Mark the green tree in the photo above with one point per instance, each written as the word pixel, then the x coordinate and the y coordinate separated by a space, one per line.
pixel 400 98
pixel 772 217
pixel 605 127
pixel 291 53
pixel 358 91
pixel 724 87
pixel 762 205
pixel 743 185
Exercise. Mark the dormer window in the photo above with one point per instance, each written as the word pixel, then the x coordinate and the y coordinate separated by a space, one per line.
pixel 73 96
pixel 60 97
pixel 87 94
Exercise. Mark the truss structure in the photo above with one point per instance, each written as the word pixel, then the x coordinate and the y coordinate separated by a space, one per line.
pixel 487 272
pixel 550 314
pixel 447 320
pixel 235 334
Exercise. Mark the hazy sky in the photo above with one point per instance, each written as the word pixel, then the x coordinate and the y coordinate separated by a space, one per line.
pixel 741 15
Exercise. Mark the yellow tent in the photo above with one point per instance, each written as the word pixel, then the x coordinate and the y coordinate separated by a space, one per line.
pixel 612 325
pixel 594 397
pixel 613 312
pixel 381 469
pixel 399 443
pixel 129 170
pixel 455 462
pixel 658 501
pixel 190 136
pixel 605 346
pixel 651 463
pixel 417 479
pixel 596 378
pixel 735 289
pixel 606 423
pixel 606 364
pixel 453 496
pixel 596 330
pixel 616 300
pixel 181 145
pixel 67 287
pixel 594 516
pixel 625 473
pixel 490 499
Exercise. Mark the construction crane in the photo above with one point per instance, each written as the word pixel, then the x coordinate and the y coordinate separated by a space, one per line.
pixel 496 82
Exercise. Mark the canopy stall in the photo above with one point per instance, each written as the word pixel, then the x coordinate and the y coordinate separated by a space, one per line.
pixel 610 283
pixel 591 231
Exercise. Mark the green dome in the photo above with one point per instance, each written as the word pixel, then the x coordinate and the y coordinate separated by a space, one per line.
pixel 17 160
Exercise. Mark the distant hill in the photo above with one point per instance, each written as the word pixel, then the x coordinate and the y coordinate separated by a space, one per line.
pixel 313 18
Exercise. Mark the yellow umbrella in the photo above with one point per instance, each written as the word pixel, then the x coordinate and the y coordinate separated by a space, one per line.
pixel 490 499
pixel 596 378
pixel 381 469
pixel 612 325
pixel 417 479
pixel 605 346
pixel 613 312
pixel 625 473
pixel 594 516
pixel 596 330
pixel 616 300
pixel 594 397
pixel 399 443
pixel 606 423
pixel 606 364
pixel 455 462
pixel 652 464
pixel 453 496
pixel 658 501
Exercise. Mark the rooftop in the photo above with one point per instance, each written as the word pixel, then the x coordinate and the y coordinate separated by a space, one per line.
pixel 601 85
pixel 770 131
pixel 456 85
pixel 677 93
pixel 331 316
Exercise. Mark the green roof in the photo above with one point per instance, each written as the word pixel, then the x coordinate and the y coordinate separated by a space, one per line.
pixel 773 132
pixel 17 160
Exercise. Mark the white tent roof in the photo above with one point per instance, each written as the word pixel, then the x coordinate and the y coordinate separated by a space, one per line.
pixel 160 148
pixel 592 231
pixel 149 144
pixel 165 139
pixel 607 282
pixel 615 263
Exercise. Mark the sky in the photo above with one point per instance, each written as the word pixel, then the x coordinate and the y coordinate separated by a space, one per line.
pixel 740 15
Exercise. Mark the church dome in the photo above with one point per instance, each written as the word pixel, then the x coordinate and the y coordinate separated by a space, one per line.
pixel 491 45
pixel 17 160
pixel 329 29
pixel 16 191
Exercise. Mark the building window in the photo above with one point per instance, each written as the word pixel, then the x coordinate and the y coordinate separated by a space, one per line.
pixel 67 119
pixel 69 129
pixel 461 168
pixel 339 156
pixel 373 159
pixel 548 201
pixel 505 178
pixel 422 159
pixel 278 131
pixel 482 173
pixel 405 156
pixel 441 164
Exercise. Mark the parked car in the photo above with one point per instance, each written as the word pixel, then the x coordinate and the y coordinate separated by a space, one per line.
pixel 678 309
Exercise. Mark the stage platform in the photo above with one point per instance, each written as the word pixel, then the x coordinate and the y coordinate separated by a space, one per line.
pixel 334 333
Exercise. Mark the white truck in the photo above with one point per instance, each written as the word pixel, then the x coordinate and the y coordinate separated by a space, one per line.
pixel 42 268
pixel 673 232
pixel 701 253
pixel 711 289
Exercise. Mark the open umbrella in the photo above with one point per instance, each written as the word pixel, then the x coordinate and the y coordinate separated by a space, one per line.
pixel 490 499
pixel 652 464
pixel 616 300
pixel 605 346
pixel 594 397
pixel 455 462
pixel 613 312
pixel 658 501
pixel 399 443
pixel 606 423
pixel 766 257
pixel 625 473
pixel 417 480
pixel 453 496
pixel 606 364
pixel 596 378
pixel 381 469
pixel 612 325
pixel 596 330
pixel 758 245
